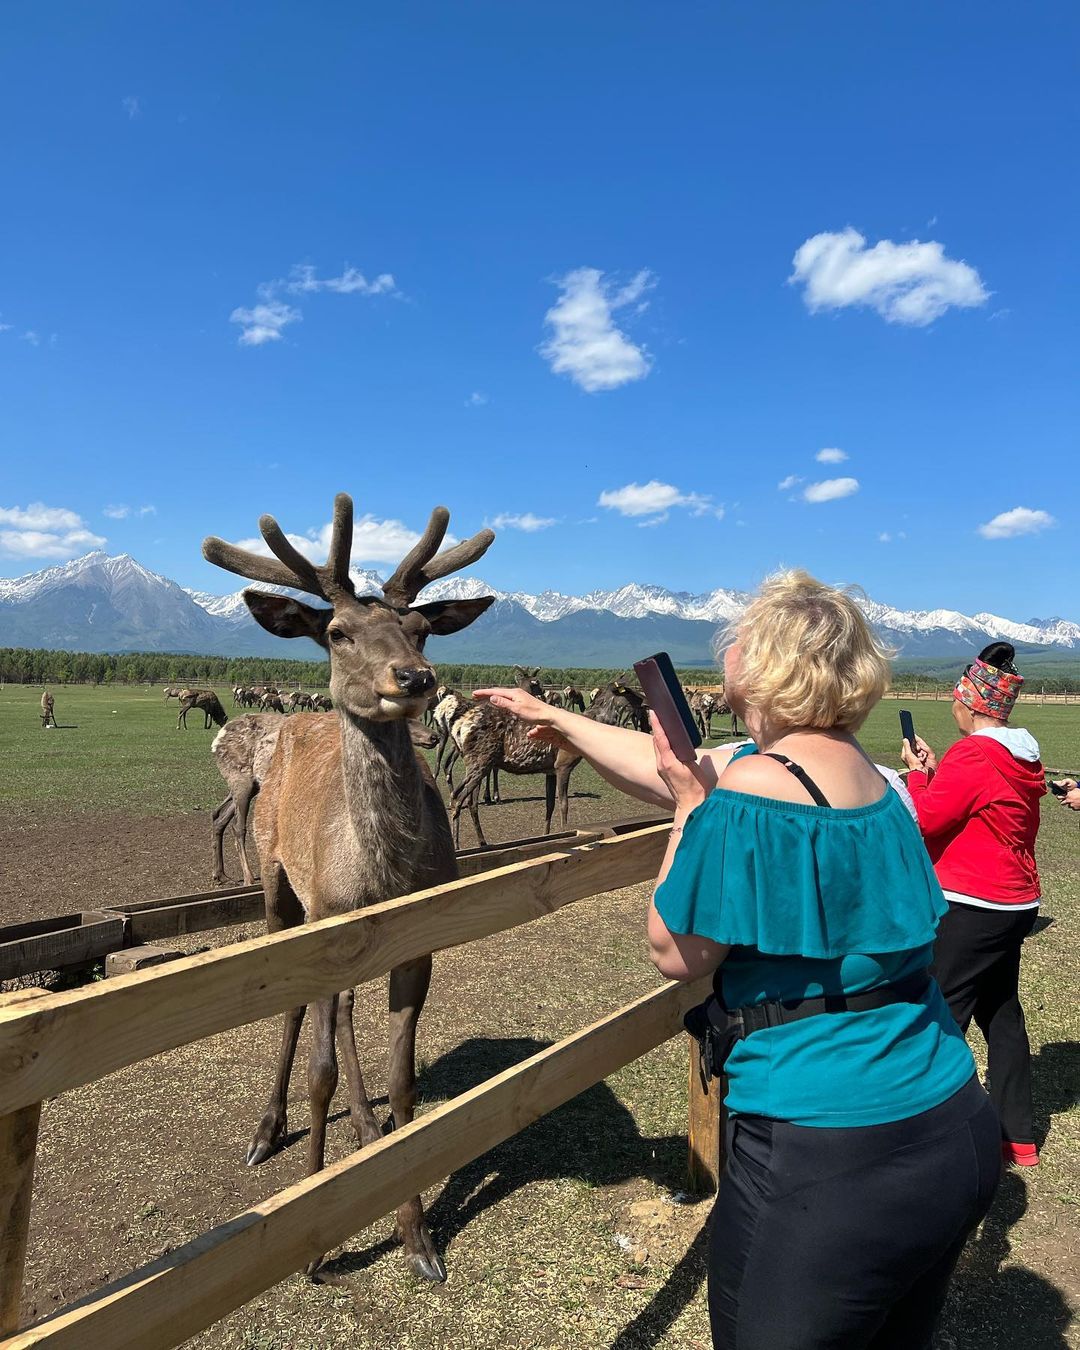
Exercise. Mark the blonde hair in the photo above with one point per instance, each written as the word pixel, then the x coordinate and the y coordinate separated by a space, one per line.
pixel 808 657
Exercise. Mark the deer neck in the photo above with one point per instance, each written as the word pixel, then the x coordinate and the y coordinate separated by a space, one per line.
pixel 384 792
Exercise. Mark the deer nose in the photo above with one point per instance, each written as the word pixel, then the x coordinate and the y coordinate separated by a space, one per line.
pixel 415 681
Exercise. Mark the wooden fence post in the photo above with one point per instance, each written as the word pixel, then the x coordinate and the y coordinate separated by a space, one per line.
pixel 18 1150
pixel 703 1135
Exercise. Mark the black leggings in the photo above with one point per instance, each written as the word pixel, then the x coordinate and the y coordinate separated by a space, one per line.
pixel 845 1239
pixel 977 964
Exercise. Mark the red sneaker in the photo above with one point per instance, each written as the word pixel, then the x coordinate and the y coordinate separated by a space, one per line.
pixel 1023 1155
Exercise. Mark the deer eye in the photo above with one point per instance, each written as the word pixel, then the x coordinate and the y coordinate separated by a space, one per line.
pixel 338 637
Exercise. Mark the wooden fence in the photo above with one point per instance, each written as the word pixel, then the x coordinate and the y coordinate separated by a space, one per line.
pixel 55 1042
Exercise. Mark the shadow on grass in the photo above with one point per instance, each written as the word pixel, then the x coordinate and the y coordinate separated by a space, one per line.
pixel 991 1308
pixel 592 1138
pixel 1055 1073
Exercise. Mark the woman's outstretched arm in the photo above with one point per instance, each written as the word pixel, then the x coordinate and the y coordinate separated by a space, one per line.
pixel 623 757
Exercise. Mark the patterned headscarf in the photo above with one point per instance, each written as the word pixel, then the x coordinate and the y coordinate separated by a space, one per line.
pixel 987 690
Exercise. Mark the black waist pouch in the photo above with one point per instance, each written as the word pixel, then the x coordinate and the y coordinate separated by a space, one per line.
pixel 717 1028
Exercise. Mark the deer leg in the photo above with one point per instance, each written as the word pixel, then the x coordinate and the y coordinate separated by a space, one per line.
pixel 242 800
pixel 451 759
pixel 408 990
pixel 549 800
pixel 219 823
pixel 473 793
pixel 360 1113
pixel 283 910
pixel 444 737
pixel 495 787
pixel 562 781
pixel 322 1083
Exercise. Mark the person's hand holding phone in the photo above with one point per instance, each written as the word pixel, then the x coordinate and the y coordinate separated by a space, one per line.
pixel 921 757
pixel 687 783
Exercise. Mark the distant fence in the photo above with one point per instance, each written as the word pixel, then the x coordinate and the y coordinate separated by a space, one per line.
pixel 52 1043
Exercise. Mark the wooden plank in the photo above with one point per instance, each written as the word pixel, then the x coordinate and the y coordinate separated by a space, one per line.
pixel 704 1142
pixel 173 1298
pixel 67 1039
pixel 71 940
pixel 151 923
pixel 475 861
pixel 18 1152
pixel 194 898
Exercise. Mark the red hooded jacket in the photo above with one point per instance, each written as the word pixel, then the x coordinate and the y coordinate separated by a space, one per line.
pixel 979 815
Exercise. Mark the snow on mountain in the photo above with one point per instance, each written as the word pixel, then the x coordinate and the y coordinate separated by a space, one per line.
pixel 104 603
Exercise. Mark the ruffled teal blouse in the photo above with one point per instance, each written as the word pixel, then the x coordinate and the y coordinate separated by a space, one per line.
pixel 819 900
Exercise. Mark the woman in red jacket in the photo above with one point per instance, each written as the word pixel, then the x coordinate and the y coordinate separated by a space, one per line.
pixel 979 814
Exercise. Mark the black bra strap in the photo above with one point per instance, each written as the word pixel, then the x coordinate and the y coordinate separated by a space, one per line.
pixel 803 777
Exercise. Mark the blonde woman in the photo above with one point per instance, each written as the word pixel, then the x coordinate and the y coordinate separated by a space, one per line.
pixel 861 1148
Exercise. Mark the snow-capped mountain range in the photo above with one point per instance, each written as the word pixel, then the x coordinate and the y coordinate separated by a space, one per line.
pixel 103 603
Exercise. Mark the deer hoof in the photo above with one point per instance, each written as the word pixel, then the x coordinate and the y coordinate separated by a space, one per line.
pixel 267 1141
pixel 311 1270
pixel 427 1264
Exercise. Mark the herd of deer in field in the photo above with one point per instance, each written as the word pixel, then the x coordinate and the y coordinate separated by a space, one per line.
pixel 346 810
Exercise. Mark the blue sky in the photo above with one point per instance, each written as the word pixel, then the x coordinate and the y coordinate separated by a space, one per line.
pixel 550 263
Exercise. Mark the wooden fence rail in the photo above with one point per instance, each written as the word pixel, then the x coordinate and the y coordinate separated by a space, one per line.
pixel 54 1042
pixel 77 939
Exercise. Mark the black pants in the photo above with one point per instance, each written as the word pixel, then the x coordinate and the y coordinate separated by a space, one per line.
pixel 977 965
pixel 845 1239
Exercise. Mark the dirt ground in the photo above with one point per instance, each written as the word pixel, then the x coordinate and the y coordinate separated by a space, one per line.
pixel 574 1233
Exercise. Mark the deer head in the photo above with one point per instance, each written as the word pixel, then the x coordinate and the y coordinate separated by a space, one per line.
pixel 377 667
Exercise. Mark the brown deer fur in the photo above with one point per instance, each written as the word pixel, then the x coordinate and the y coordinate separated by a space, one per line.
pixel 348 813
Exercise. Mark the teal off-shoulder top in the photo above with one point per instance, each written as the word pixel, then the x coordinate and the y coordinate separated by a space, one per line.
pixel 819 900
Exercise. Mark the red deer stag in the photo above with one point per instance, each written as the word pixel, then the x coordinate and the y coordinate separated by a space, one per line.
pixel 348 813
pixel 47 704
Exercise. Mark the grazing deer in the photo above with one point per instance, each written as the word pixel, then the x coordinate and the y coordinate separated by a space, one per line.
pixel 348 813
pixel 171 692
pixel 47 704
pixel 271 702
pixel 207 701
pixel 573 699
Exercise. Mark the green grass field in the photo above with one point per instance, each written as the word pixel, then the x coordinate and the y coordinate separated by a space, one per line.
pixel 117 748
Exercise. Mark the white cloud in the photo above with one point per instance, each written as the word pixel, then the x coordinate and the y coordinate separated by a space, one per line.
pixel 374 541
pixel 303 281
pixel 42 531
pixel 527 522
pixel 830 490
pixel 655 500
pixel 32 337
pixel 264 323
pixel 830 456
pixel 116 512
pixel 585 343
pixel 912 283
pixel 785 484
pixel 1020 520
pixel 885 537
pixel 147 510
pixel 266 320
pixel 131 106
pixel 476 399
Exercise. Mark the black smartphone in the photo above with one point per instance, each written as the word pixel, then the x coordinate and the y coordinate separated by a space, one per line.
pixel 667 702
pixel 1058 789
pixel 907 727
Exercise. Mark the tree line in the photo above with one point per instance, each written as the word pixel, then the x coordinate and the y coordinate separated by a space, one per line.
pixel 24 665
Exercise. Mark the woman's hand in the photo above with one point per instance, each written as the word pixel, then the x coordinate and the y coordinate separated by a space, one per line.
pixel 921 757
pixel 687 783
pixel 542 719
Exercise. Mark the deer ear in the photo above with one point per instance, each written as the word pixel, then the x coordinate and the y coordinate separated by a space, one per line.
pixel 288 618
pixel 450 616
